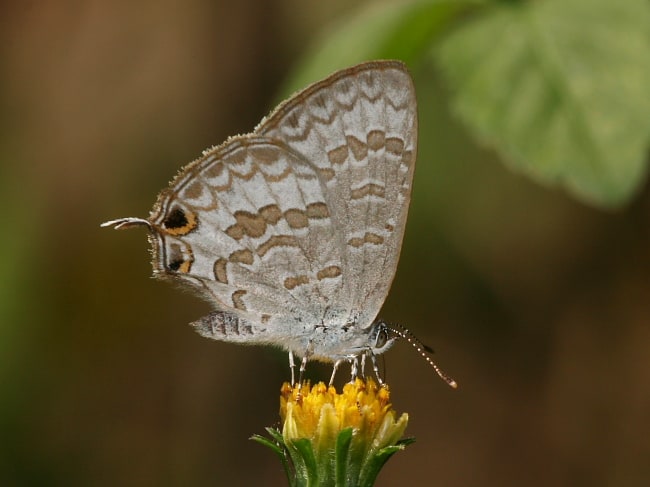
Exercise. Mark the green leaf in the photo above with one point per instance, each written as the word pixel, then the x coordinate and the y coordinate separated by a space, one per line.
pixel 561 88
pixel 387 30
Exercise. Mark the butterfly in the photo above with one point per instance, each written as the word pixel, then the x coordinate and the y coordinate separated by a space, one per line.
pixel 293 232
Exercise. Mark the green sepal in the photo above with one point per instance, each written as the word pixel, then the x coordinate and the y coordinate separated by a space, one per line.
pixel 304 462
pixel 343 441
pixel 376 461
pixel 406 441
pixel 276 434
pixel 279 448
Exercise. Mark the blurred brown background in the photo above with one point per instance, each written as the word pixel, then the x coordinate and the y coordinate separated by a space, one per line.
pixel 537 305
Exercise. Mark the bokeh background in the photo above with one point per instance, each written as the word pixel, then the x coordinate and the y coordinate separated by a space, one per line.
pixel 535 303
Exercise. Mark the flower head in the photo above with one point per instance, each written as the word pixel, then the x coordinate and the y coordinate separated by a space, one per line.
pixel 344 439
pixel 320 411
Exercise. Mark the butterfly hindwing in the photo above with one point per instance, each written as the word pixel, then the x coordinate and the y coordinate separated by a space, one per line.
pixel 359 129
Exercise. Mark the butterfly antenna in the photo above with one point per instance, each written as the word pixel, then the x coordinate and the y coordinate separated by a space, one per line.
pixel 422 350
pixel 123 223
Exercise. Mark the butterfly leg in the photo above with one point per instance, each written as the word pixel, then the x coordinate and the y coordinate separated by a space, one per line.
pixel 292 366
pixel 334 369
pixel 303 363
pixel 303 367
pixel 375 367
pixel 363 366
pixel 354 368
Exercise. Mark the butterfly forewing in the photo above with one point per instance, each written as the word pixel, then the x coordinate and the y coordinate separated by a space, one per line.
pixel 263 244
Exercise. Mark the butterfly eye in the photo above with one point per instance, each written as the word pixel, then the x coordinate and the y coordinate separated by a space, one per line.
pixel 382 338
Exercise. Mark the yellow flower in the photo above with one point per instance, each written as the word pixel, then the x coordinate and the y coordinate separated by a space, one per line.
pixel 336 439
pixel 322 412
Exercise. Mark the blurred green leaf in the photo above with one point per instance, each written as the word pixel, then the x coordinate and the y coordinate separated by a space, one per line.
pixel 561 88
pixel 387 30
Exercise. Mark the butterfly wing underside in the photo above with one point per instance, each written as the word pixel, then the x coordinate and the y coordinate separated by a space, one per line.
pixel 248 226
pixel 359 129
pixel 300 223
